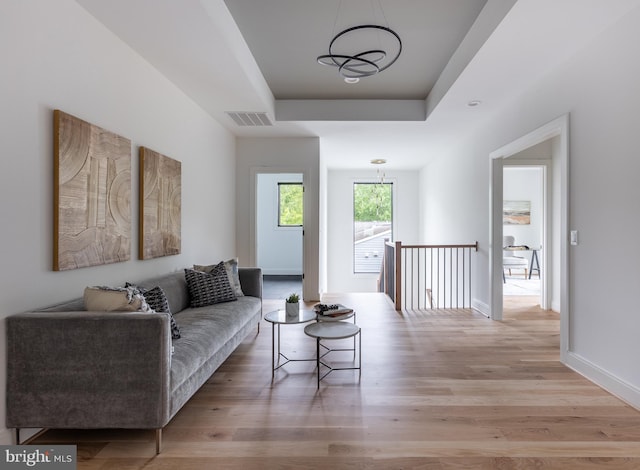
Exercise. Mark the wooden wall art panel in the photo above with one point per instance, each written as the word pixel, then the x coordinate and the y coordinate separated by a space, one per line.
pixel 160 205
pixel 92 195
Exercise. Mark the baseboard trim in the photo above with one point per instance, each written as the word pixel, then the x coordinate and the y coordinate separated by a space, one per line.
pixel 481 307
pixel 612 384
pixel 281 272
pixel 6 437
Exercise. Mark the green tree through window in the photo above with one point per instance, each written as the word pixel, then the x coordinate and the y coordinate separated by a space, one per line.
pixel 290 204
pixel 372 202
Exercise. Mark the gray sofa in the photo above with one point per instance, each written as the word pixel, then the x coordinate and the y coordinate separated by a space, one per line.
pixel 75 369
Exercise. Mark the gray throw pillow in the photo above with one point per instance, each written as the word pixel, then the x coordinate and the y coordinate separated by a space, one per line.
pixel 234 278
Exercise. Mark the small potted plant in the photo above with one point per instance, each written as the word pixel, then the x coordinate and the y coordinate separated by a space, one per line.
pixel 292 305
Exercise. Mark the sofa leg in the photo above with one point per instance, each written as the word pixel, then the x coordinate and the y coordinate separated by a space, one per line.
pixel 29 439
pixel 158 440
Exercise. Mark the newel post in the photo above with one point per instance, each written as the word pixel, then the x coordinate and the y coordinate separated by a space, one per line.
pixel 398 276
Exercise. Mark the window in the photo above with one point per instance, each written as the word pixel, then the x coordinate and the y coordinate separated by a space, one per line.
pixel 290 204
pixel 372 223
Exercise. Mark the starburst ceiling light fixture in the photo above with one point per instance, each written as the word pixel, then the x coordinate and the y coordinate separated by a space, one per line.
pixel 363 50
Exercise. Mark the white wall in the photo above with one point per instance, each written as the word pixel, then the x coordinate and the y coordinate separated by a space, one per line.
pixel 279 249
pixel 340 275
pixel 455 207
pixel 56 55
pixel 279 155
pixel 600 88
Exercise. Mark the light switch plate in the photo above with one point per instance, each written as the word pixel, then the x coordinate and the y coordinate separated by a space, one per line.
pixel 574 237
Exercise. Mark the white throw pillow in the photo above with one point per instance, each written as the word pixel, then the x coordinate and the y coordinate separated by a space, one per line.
pixel 112 299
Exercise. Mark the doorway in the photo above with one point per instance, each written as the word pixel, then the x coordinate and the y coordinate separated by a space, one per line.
pixel 524 226
pixel 554 261
pixel 279 233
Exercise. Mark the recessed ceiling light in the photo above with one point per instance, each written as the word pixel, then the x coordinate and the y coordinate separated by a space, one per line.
pixel 474 103
pixel 378 161
pixel 351 79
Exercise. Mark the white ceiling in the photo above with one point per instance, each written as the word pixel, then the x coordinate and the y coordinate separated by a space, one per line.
pixel 259 56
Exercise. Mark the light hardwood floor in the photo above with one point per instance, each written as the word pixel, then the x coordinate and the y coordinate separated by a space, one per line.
pixel 439 390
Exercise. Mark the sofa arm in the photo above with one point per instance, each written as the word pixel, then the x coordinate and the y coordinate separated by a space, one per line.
pixel 88 370
pixel 251 281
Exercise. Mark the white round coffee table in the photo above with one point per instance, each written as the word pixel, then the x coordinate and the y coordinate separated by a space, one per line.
pixel 332 331
pixel 280 317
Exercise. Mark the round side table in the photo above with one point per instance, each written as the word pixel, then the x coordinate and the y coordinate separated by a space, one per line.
pixel 280 317
pixel 331 331
pixel 328 318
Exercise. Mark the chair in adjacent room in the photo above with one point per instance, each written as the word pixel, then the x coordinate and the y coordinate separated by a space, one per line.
pixel 509 259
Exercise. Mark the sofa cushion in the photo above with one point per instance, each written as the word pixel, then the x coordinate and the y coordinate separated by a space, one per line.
pixel 206 333
pixel 209 288
pixel 158 302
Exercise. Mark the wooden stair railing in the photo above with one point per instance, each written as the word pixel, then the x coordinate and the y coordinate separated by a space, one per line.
pixel 427 276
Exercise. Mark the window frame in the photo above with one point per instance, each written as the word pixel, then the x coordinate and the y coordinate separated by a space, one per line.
pixel 279 206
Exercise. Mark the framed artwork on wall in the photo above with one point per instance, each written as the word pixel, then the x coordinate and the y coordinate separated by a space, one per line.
pixel 516 213
pixel 160 205
pixel 92 195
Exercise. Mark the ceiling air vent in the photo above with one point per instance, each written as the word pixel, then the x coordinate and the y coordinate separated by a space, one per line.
pixel 250 119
